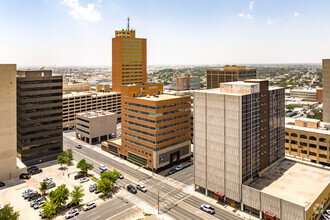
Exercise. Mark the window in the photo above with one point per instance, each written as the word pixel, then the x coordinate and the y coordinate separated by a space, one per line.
pixel 323 140
pixel 294 135
pixel 303 136
pixel 305 124
pixel 312 138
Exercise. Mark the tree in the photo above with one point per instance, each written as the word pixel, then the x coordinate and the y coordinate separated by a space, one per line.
pixel 7 212
pixel 43 187
pixel 105 186
pixel 49 208
pixel 111 175
pixel 61 159
pixel 290 107
pixel 59 195
pixel 69 155
pixel 84 166
pixel 77 194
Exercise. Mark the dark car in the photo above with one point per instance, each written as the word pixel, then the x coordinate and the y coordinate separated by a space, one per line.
pixel 171 171
pixel 78 176
pixel 33 196
pixel 72 204
pixel 131 189
pixel 25 176
pixel 34 170
pixel 79 146
pixel 2 184
pixel 121 176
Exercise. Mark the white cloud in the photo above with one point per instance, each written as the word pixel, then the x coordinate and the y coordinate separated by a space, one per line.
pixel 246 16
pixel 296 14
pixel 270 21
pixel 78 12
pixel 251 5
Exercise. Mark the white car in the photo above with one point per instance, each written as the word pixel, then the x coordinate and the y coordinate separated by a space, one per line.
pixel 328 211
pixel 48 179
pixel 89 206
pixel 102 167
pixel 141 188
pixel 84 179
pixel 180 167
pixel 72 213
pixel 207 208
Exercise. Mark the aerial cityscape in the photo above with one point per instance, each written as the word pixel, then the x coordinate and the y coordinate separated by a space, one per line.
pixel 165 110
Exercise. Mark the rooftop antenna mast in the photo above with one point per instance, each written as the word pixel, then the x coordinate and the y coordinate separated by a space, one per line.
pixel 128 23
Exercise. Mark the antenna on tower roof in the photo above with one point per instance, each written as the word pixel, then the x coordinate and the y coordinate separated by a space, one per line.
pixel 128 23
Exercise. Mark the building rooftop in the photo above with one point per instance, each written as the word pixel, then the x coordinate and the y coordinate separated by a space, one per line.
pixel 76 94
pixel 293 181
pixel 322 129
pixel 116 141
pixel 161 97
pixel 95 114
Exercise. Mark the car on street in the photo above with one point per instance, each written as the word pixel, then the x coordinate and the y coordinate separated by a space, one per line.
pixel 72 213
pixel 141 188
pixel 102 167
pixel 207 208
pixel 72 204
pixel 2 184
pixel 121 176
pixel 78 176
pixel 25 176
pixel 34 170
pixel 93 187
pixel 51 185
pixel 84 179
pixel 36 201
pixel 48 179
pixel 89 206
pixel 131 189
pixel 180 167
pixel 79 146
pixel 39 204
pixel 171 171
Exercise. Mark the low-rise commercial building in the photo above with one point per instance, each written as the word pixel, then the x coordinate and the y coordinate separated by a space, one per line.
pixel 78 102
pixel 69 88
pixel 186 82
pixel 156 127
pixel 96 126
pixel 308 139
pixel 305 94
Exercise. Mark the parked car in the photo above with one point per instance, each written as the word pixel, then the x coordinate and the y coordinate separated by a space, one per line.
pixel 48 179
pixel 29 194
pixel 78 176
pixel 171 171
pixel 51 185
pixel 93 187
pixel 180 167
pixel 2 184
pixel 84 179
pixel 72 204
pixel 33 196
pixel 97 191
pixel 328 211
pixel 121 176
pixel 28 191
pixel 141 188
pixel 25 176
pixel 131 189
pixel 89 206
pixel 104 171
pixel 72 213
pixel 36 201
pixel 79 146
pixel 102 167
pixel 207 208
pixel 34 170
pixel 39 204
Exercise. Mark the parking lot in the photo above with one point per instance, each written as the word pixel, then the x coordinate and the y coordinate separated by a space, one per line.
pixel 12 192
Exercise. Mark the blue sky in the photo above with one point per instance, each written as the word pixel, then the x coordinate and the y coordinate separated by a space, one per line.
pixel 79 32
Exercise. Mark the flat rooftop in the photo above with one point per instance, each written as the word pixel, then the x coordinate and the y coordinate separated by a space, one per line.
pixel 116 141
pixel 292 181
pixel 93 93
pixel 95 114
pixel 289 123
pixel 161 97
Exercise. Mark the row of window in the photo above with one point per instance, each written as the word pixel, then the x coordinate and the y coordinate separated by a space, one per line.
pixel 159 135
pixel 159 128
pixel 156 149
pixel 305 137
pixel 158 114
pixel 161 141
pixel 158 121
pixel 158 107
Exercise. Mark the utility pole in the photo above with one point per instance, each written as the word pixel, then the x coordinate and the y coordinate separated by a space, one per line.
pixel 158 202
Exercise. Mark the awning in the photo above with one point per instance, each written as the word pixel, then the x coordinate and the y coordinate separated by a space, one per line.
pixel 219 195
pixel 269 216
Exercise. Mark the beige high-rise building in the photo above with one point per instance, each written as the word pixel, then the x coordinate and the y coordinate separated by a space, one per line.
pixel 326 89
pixel 8 121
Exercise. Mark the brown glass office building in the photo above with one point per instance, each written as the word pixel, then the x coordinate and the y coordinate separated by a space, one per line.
pixel 39 116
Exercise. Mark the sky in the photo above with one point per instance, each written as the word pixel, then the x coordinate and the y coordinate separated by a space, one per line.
pixel 178 32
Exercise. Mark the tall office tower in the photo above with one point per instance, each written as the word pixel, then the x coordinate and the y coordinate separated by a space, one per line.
pixel 326 89
pixel 39 116
pixel 238 133
pixel 156 127
pixel 129 59
pixel 228 74
pixel 8 121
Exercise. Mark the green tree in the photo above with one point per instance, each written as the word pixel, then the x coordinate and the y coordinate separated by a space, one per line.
pixel 43 187
pixel 69 155
pixel 62 158
pixel 105 186
pixel 7 212
pixel 111 175
pixel 290 107
pixel 49 208
pixel 84 166
pixel 59 195
pixel 77 194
